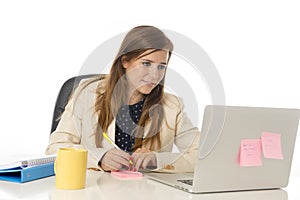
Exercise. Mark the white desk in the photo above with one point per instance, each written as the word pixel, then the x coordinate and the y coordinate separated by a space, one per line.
pixel 104 186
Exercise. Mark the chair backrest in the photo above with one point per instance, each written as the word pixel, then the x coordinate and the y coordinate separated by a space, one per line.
pixel 65 92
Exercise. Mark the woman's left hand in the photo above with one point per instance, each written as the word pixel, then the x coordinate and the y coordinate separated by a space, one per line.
pixel 144 158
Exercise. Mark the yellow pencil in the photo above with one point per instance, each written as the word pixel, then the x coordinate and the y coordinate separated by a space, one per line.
pixel 111 142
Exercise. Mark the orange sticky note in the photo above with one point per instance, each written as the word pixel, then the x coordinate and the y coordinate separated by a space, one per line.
pixel 271 145
pixel 250 153
pixel 127 174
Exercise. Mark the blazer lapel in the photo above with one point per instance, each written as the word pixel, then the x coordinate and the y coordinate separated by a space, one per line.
pixel 111 129
pixel 146 130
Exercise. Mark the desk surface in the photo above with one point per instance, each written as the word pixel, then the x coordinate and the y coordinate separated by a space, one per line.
pixel 104 186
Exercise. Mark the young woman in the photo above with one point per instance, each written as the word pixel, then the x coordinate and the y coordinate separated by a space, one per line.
pixel 130 105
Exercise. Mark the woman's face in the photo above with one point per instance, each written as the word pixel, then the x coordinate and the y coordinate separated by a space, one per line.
pixel 145 73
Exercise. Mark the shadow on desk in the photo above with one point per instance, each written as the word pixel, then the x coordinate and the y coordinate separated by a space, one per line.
pixel 149 190
pixel 28 189
pixel 101 185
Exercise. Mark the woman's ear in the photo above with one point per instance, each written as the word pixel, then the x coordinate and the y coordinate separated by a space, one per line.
pixel 124 62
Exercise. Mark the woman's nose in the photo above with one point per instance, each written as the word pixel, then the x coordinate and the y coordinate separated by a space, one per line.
pixel 154 72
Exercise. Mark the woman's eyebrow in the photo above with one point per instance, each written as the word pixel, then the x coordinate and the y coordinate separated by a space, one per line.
pixel 164 63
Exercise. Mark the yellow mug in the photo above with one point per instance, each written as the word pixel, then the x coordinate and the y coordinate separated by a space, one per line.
pixel 70 168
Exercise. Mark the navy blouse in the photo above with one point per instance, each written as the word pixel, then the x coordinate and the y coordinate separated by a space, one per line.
pixel 127 118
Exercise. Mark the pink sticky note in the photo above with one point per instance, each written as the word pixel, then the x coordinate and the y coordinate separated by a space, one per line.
pixel 250 153
pixel 127 174
pixel 271 145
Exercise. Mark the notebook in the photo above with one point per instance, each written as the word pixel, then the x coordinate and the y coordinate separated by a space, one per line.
pixel 26 168
pixel 240 148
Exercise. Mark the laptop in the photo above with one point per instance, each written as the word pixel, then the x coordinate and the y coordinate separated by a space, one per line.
pixel 226 163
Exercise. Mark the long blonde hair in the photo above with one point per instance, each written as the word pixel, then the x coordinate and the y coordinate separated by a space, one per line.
pixel 136 42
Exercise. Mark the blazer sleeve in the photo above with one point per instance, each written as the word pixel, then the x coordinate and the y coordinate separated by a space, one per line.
pixel 186 138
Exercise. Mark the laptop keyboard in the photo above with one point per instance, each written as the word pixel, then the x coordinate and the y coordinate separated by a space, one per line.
pixel 186 181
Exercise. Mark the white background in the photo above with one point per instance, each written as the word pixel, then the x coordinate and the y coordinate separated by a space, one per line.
pixel 255 46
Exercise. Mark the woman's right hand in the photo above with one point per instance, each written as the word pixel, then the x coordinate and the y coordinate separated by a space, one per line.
pixel 115 159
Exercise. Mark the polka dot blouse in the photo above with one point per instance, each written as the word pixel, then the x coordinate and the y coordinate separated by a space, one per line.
pixel 127 118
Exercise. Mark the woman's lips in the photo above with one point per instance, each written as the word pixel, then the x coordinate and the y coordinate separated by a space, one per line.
pixel 148 83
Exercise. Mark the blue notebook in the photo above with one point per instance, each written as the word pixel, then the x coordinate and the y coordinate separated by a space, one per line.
pixel 26 174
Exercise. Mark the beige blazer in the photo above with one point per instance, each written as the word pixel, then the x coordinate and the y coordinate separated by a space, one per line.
pixel 78 125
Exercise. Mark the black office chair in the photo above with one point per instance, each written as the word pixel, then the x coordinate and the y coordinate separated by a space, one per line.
pixel 65 92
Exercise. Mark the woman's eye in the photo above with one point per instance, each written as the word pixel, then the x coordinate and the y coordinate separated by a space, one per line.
pixel 147 64
pixel 161 67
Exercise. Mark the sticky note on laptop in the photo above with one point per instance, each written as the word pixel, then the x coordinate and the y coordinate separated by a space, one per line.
pixel 271 145
pixel 127 174
pixel 250 153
